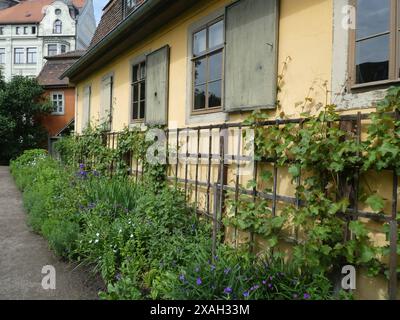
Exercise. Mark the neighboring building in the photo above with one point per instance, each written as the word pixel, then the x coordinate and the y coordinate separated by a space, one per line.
pixel 33 29
pixel 190 63
pixel 60 92
pixel 8 3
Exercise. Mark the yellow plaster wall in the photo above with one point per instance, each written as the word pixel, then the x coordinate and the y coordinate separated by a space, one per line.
pixel 305 61
pixel 305 36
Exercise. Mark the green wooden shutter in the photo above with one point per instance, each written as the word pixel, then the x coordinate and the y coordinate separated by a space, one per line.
pixel 106 101
pixel 251 55
pixel 86 107
pixel 157 74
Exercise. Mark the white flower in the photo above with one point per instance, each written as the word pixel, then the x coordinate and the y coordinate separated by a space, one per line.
pixel 97 234
pixel 120 230
pixel 96 241
pixel 90 241
pixel 131 235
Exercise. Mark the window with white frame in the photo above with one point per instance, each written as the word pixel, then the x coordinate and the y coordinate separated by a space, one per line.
pixel 51 50
pixel 57 98
pixel 31 55
pixel 208 47
pixel 2 55
pixel 57 27
pixel 19 55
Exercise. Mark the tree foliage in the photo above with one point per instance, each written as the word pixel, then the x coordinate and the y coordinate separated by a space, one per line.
pixel 21 106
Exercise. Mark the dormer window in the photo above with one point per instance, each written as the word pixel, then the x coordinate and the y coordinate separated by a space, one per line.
pixel 57 12
pixel 57 27
pixel 131 5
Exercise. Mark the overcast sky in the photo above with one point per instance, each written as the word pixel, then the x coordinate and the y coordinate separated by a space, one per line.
pixel 98 6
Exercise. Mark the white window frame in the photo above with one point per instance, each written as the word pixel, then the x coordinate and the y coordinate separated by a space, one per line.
pixel 190 117
pixel 342 96
pixel 28 54
pixel 21 54
pixel 2 55
pixel 52 44
pixel 57 26
pixel 58 113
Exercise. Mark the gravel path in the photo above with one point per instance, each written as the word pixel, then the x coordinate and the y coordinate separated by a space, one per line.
pixel 23 255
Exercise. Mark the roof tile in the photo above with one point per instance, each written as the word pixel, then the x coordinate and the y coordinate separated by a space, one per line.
pixel 29 11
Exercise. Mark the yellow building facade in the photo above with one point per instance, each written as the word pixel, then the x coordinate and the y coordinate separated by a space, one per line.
pixel 313 57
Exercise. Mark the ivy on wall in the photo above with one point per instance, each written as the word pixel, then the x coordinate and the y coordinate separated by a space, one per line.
pixel 318 152
pixel 324 157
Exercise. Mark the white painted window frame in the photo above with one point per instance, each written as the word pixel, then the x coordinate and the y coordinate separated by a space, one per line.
pixel 343 96
pixel 58 113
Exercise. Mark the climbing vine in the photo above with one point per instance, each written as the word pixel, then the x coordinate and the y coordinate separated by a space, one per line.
pixel 322 157
pixel 93 150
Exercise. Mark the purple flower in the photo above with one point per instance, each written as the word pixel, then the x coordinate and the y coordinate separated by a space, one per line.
pixel 227 270
pixel 264 282
pixel 118 276
pixel 246 294
pixel 182 277
pixel 228 290
pixel 96 173
pixel 199 281
pixel 197 269
pixel 270 285
pixel 212 267
pixel 307 296
pixel 82 166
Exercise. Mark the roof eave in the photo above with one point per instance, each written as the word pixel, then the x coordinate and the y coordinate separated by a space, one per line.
pixel 146 19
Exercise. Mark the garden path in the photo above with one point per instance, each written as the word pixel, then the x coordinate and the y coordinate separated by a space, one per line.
pixel 23 254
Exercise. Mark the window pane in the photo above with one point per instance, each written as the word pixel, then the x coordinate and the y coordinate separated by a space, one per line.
pixel 142 91
pixel 135 92
pixel 200 42
pixel 372 59
pixel 54 97
pixel 135 73
pixel 143 71
pixel 372 17
pixel 135 110
pixel 215 66
pixel 216 34
pixel 200 71
pixel 214 94
pixel 142 109
pixel 200 97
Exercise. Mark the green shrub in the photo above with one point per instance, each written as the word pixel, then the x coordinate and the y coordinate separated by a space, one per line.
pixel 61 234
pixel 146 243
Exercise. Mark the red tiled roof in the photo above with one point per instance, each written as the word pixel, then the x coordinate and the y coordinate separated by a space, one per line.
pixel 29 11
pixel 112 16
pixel 79 3
pixel 55 67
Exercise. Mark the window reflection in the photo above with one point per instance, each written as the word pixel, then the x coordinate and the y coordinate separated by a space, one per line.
pixel 372 40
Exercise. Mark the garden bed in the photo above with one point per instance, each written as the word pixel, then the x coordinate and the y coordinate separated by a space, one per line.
pixel 146 243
